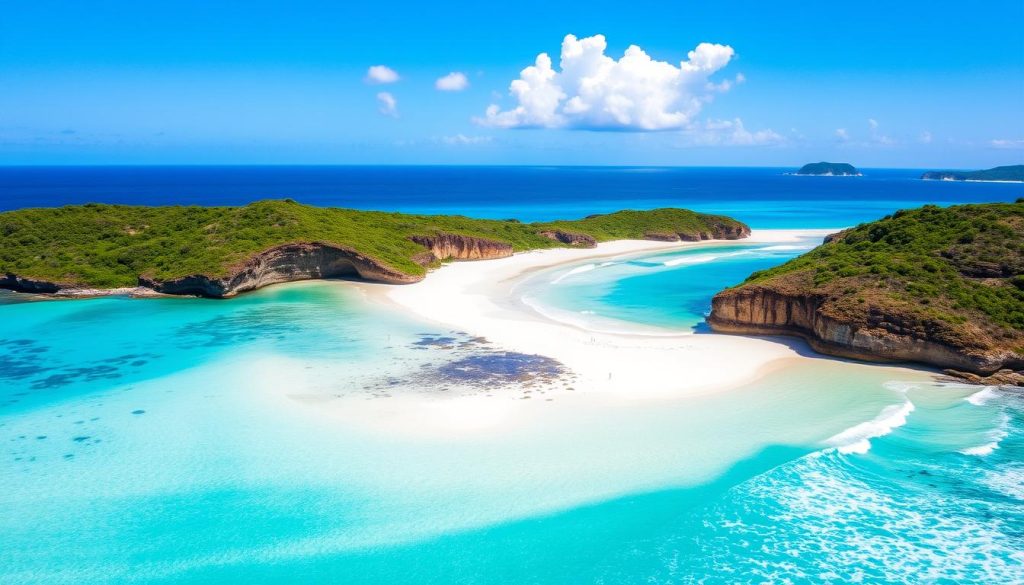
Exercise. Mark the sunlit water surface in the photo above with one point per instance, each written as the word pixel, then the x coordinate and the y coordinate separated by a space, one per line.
pixel 208 441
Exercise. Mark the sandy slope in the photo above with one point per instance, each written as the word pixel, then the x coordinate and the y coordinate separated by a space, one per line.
pixel 478 298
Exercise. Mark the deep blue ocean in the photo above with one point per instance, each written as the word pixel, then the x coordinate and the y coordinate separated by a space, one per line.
pixel 284 436
pixel 762 197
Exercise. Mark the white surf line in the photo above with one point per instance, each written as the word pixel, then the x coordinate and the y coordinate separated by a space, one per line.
pixel 857 439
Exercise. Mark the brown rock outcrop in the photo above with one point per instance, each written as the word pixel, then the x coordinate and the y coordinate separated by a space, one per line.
pixel 717 232
pixel 1005 377
pixel 881 336
pixel 458 247
pixel 29 285
pixel 286 263
pixel 570 238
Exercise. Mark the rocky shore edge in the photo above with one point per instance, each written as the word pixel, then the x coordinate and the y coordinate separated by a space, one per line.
pixel 315 260
pixel 760 310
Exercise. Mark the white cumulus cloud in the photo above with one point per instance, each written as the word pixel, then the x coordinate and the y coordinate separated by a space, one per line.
pixel 378 74
pixel 454 81
pixel 842 135
pixel 591 90
pixel 387 104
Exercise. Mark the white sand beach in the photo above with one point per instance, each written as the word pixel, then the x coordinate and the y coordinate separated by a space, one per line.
pixel 478 298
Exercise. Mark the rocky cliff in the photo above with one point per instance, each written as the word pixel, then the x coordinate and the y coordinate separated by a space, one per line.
pixel 300 261
pixel 881 336
pixel 942 287
pixel 444 246
pixel 570 238
pixel 717 232
pixel 29 285
pixel 286 263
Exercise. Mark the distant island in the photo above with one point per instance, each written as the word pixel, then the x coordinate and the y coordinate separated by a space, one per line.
pixel 222 251
pixel 938 286
pixel 827 169
pixel 1006 173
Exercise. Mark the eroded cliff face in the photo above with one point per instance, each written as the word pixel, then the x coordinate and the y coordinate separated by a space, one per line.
pixel 759 310
pixel 29 285
pixel 717 232
pixel 572 239
pixel 286 263
pixel 458 247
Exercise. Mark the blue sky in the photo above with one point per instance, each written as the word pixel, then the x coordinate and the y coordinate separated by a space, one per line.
pixel 878 84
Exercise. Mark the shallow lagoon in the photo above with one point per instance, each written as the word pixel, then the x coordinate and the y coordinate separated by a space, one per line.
pixel 260 440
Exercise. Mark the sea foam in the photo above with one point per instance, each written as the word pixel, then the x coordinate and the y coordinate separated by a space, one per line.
pixel 781 247
pixel 702 258
pixel 981 450
pixel 580 270
pixel 577 270
pixel 995 437
pixel 856 439
pixel 982 397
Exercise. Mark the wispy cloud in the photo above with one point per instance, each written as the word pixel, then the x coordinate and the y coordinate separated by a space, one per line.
pixel 387 104
pixel 1003 143
pixel 877 137
pixel 842 135
pixel 730 133
pixel 463 140
pixel 592 91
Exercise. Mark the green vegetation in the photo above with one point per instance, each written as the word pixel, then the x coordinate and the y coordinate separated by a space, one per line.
pixel 829 169
pixel 634 225
pixel 107 246
pixel 1007 173
pixel 961 268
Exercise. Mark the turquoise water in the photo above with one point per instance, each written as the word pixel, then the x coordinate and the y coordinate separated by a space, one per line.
pixel 244 450
pixel 670 291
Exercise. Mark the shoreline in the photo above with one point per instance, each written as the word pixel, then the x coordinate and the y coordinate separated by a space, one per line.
pixel 478 298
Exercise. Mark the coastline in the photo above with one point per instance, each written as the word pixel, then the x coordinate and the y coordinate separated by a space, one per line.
pixel 478 298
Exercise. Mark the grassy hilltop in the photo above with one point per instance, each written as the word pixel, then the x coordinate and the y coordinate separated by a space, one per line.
pixel 953 264
pixel 107 246
pixel 922 285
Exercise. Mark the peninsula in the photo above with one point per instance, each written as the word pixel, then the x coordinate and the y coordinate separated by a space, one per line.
pixel 999 174
pixel 828 169
pixel 936 286
pixel 222 251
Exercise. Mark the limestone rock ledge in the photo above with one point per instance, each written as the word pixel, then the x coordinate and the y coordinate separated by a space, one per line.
pixel 570 238
pixel 718 232
pixel 444 246
pixel 881 337
pixel 286 263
